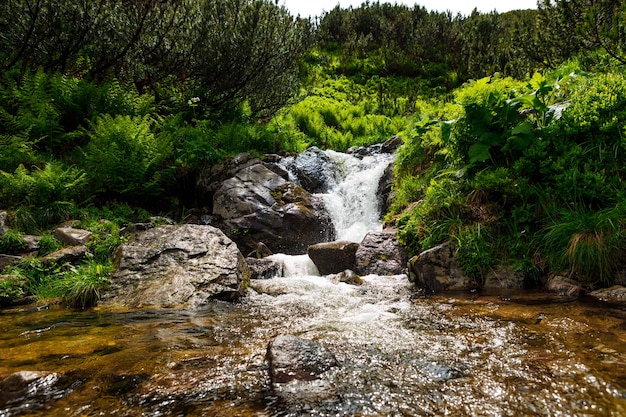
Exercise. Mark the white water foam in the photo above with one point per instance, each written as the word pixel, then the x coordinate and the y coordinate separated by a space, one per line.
pixel 353 201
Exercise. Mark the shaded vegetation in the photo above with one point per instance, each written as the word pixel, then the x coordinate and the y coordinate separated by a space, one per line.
pixel 513 123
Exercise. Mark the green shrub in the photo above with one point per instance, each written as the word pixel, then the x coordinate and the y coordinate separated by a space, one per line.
pixel 42 186
pixel 48 244
pixel 586 243
pixel 34 272
pixel 12 288
pixel 80 286
pixel 12 242
pixel 17 149
pixel 475 254
pixel 126 158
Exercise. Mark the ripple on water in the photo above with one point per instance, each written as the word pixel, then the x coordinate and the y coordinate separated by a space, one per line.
pixel 431 356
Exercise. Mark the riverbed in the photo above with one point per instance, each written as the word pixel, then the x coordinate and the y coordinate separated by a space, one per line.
pixel 401 353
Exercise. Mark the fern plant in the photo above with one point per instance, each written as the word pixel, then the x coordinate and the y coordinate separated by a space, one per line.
pixel 124 157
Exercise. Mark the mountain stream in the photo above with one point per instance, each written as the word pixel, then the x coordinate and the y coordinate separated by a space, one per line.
pixel 401 352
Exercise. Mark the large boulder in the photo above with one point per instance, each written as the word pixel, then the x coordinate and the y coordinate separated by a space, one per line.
pixel 36 386
pixel 177 266
pixel 264 268
pixel 437 270
pixel 564 286
pixel 333 257
pixel 258 205
pixel 380 253
pixel 72 236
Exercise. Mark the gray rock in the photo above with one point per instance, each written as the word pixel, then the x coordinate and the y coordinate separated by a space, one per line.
pixel 311 169
pixel 392 144
pixel 504 277
pixel 3 222
pixel 616 293
pixel 436 270
pixel 69 254
pixel 293 358
pixel 564 286
pixel 258 205
pixel 333 257
pixel 210 180
pixel 177 266
pixel 72 236
pixel 381 253
pixel 8 260
pixel 249 191
pixel 26 384
pixel 264 268
pixel 348 277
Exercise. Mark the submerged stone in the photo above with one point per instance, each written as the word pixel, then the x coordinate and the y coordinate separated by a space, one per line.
pixel 293 358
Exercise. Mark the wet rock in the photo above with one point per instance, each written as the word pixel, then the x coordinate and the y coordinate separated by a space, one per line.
pixel 69 254
pixel 257 205
pixel 72 236
pixel 385 190
pixel 264 268
pixel 177 266
pixel 8 260
pixel 616 293
pixel 25 384
pixel 311 169
pixel 392 144
pixel 380 253
pixel 564 286
pixel 261 251
pixel 503 277
pixel 348 277
pixel 293 358
pixel 3 222
pixel 333 257
pixel 436 270
pixel 210 180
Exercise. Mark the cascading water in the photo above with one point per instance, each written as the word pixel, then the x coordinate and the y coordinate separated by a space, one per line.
pixel 399 353
pixel 353 200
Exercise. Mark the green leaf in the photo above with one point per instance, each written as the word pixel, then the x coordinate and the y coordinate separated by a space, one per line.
pixel 524 128
pixel 479 152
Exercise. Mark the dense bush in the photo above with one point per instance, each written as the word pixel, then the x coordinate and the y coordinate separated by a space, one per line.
pixel 125 157
pixel 527 171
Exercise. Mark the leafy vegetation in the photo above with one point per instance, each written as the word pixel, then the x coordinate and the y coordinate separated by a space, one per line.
pixel 513 123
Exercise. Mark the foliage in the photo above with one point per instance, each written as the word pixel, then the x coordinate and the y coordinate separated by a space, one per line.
pixel 105 239
pixel 538 165
pixel 233 51
pixel 48 244
pixel 125 157
pixel 12 242
pixel 475 253
pixel 42 186
pixel 588 243
pixel 80 286
pixel 12 288
pixel 341 113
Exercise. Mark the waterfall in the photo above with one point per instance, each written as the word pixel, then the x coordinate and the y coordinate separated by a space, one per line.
pixel 353 200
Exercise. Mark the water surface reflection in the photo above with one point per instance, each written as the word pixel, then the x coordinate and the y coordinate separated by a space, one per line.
pixel 400 355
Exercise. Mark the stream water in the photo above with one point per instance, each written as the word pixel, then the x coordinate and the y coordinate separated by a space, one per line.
pixel 401 353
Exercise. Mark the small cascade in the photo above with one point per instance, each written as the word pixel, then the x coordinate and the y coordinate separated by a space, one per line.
pixel 353 200
pixel 295 265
